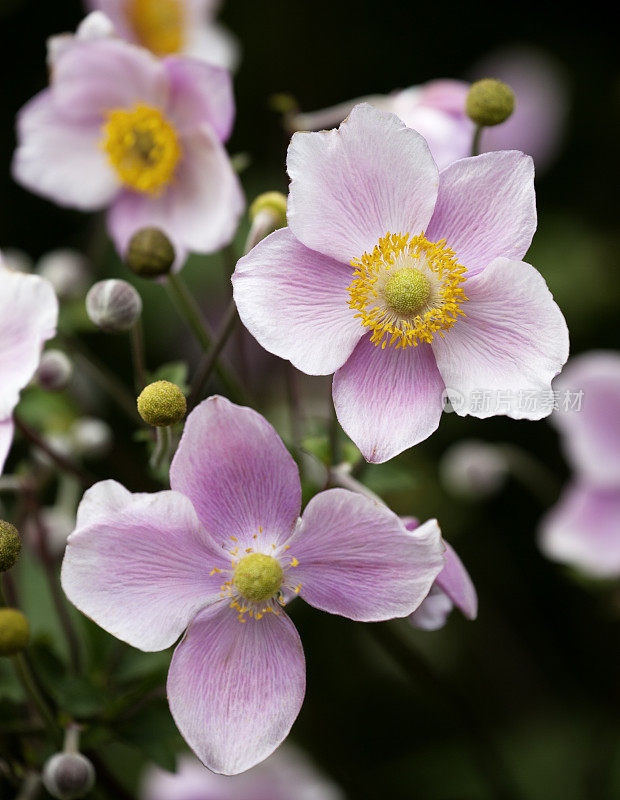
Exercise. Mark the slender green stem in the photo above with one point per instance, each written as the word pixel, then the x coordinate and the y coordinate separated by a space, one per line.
pixel 486 755
pixel 209 362
pixel 63 462
pixel 188 307
pixel 26 678
pixel 137 355
pixel 334 432
pixel 162 447
pixel 475 145
pixel 106 380
pixel 3 600
pixel 294 403
pixel 51 574
pixel 30 787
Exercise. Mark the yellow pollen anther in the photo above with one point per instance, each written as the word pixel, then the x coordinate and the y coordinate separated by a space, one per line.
pixel 142 146
pixel 407 289
pixel 258 577
pixel 158 24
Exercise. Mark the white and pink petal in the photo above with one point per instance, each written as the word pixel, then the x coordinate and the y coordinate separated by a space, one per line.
pixel 357 559
pixel 236 688
pixel 295 302
pixel 388 400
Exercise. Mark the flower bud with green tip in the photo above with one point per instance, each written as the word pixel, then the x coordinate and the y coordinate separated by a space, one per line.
pixel 68 776
pixel 161 404
pixel 10 545
pixel 55 370
pixel 150 253
pixel 267 214
pixel 14 631
pixel 489 102
pixel 113 305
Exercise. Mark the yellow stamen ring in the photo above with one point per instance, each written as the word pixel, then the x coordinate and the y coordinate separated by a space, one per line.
pixel 159 25
pixel 407 289
pixel 142 146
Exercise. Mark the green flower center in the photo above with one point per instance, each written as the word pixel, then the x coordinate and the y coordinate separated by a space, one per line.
pixel 258 577
pixel 407 292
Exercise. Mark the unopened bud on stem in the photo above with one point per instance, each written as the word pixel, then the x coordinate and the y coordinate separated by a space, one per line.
pixel 267 214
pixel 150 253
pixel 54 372
pixel 68 776
pixel 161 404
pixel 489 102
pixel 10 545
pixel 14 631
pixel 113 305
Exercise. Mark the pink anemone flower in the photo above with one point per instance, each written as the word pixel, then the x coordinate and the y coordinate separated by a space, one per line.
pixel 28 318
pixel 453 588
pixel 218 556
pixel 406 283
pixel 122 129
pixel 583 529
pixel 173 27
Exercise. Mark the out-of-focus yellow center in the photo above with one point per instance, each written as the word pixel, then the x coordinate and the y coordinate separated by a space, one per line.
pixel 407 289
pixel 158 25
pixel 258 577
pixel 142 146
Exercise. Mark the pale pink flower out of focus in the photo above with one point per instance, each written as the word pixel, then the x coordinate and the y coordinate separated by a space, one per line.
pixel 583 529
pixel 284 775
pixel 173 27
pixel 121 129
pixel 28 318
pixel 406 283
pixel 218 556
pixel 453 588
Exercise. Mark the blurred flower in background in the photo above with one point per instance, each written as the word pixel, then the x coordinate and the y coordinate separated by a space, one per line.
pixel 28 318
pixel 437 109
pixel 120 128
pixel 168 27
pixel 583 529
pixel 473 469
pixel 285 775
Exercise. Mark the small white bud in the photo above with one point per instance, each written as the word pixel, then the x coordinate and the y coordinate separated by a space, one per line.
pixel 91 437
pixel 473 469
pixel 113 305
pixel 68 776
pixel 67 271
pixel 55 370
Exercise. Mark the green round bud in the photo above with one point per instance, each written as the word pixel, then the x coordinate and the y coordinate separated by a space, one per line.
pixel 14 631
pixel 272 202
pixel 10 545
pixel 68 776
pixel 489 102
pixel 150 253
pixel 161 404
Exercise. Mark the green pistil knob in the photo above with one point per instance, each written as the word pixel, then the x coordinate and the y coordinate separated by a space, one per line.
pixel 14 631
pixel 272 202
pixel 161 404
pixel 150 253
pixel 489 102
pixel 10 545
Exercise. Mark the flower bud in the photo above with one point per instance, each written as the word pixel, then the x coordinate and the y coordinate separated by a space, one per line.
pixel 55 370
pixel 473 469
pixel 161 404
pixel 67 271
pixel 91 437
pixel 273 204
pixel 17 259
pixel 150 253
pixel 14 631
pixel 68 776
pixel 10 545
pixel 113 305
pixel 489 102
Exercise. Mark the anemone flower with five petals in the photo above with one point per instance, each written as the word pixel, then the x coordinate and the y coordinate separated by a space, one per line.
pixel 217 556
pixel 406 283
pixel 119 128
pixel 28 318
